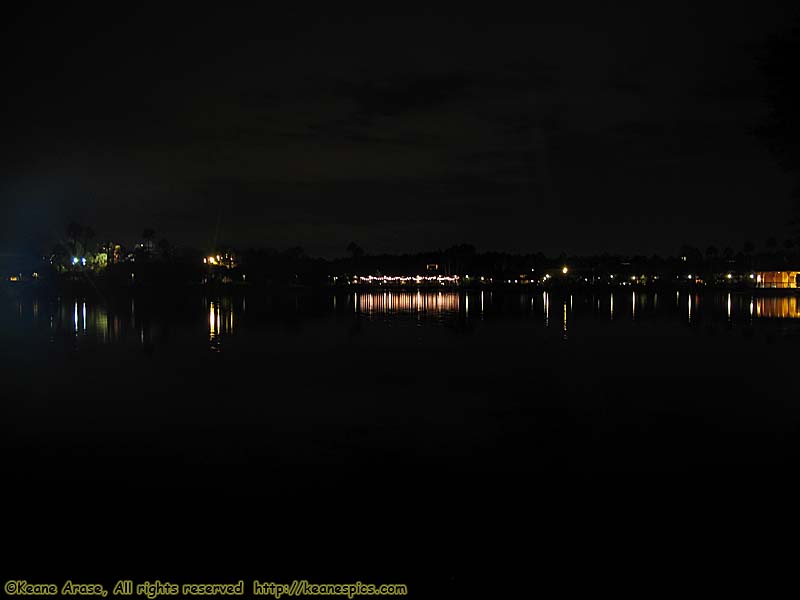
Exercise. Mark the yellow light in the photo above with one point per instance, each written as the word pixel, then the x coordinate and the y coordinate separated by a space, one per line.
pixel 564 270
pixel 729 276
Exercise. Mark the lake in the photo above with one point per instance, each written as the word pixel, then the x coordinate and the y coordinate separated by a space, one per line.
pixel 384 411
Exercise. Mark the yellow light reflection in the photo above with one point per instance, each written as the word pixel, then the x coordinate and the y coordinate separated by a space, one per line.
pixel 777 308
pixel 407 302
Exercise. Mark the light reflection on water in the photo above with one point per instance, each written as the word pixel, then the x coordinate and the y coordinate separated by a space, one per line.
pixel 399 303
pixel 777 308
pixel 87 322
pixel 220 322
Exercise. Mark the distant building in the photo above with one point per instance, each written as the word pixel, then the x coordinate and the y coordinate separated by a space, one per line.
pixel 146 248
pixel 777 279
pixel 432 267
pixel 226 260
pixel 112 251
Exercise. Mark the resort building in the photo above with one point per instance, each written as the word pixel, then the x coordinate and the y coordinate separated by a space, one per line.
pixel 776 279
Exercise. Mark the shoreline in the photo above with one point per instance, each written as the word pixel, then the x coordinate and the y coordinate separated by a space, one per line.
pixel 101 288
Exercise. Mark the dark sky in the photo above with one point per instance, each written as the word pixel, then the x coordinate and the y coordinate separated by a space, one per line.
pixel 581 129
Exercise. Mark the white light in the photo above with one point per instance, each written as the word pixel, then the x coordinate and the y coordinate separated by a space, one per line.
pixel 74 260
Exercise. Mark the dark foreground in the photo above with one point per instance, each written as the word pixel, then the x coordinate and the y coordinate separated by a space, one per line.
pixel 492 447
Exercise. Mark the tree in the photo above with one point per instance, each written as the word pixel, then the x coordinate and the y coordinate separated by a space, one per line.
pixel 711 254
pixel 58 255
pixel 461 256
pixel 355 250
pixel 295 253
pixel 165 248
pixel 74 235
pixel 692 255
pixel 86 235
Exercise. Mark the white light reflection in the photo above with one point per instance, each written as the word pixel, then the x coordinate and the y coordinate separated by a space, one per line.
pixel 612 306
pixel 729 306
pixel 546 301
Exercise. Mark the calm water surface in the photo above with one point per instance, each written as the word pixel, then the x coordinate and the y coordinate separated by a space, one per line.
pixel 388 404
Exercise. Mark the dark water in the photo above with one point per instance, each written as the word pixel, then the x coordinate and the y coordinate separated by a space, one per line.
pixel 413 424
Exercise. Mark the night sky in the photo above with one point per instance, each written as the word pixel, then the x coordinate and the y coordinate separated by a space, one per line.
pixel 582 129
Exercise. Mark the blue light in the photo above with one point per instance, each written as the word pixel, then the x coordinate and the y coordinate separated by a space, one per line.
pixel 74 260
pixel 83 261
